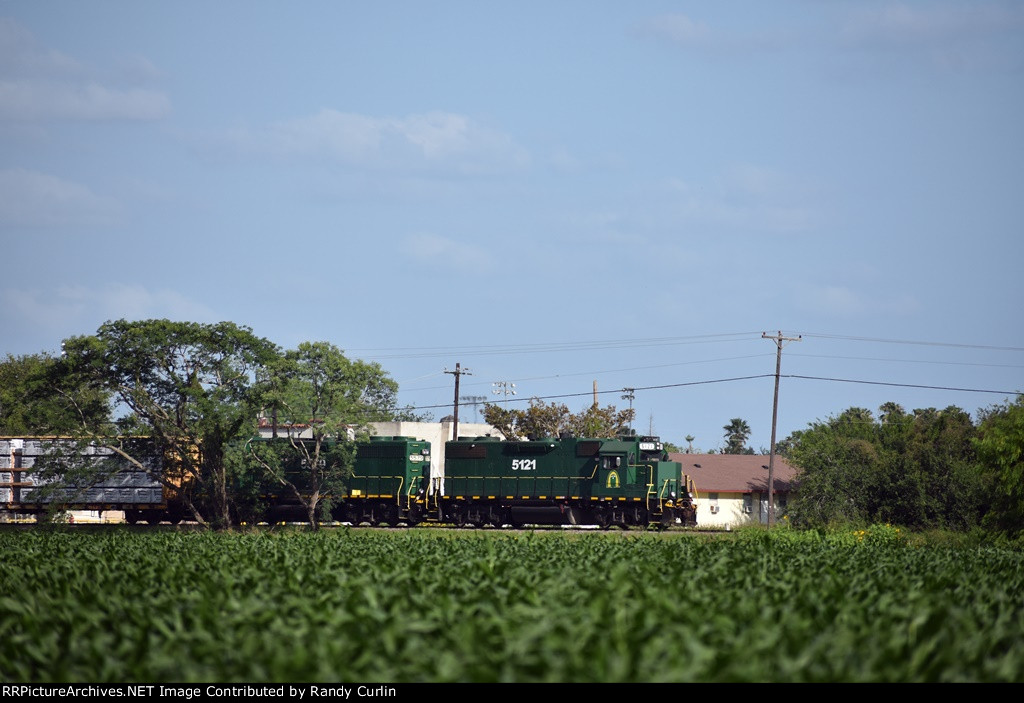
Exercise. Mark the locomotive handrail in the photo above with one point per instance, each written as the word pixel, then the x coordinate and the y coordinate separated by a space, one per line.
pixel 661 495
pixel 398 493
pixel 650 477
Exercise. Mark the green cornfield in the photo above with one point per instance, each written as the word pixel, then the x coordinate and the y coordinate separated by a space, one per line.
pixel 118 605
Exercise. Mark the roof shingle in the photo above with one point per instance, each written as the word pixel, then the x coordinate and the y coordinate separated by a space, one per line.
pixel 735 473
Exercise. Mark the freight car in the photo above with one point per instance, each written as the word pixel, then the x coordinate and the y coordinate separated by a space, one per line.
pixel 627 482
pixel 27 487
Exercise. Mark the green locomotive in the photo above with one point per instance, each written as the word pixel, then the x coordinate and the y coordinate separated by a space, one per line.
pixel 389 483
pixel 626 481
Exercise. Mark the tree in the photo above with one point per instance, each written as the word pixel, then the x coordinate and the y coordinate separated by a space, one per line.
pixel 596 421
pixel 736 434
pixel 543 420
pixel 317 387
pixel 35 398
pixel 913 469
pixel 1000 447
pixel 192 388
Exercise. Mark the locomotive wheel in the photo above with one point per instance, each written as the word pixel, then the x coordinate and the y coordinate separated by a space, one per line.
pixel 455 515
pixel 602 517
pixel 668 518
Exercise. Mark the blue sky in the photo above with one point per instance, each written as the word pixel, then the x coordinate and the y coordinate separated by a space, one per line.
pixel 551 194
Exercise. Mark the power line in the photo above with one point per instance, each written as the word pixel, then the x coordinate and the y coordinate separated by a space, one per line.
pixel 547 347
pixel 594 373
pixel 902 385
pixel 618 390
pixel 909 361
pixel 741 378
pixel 552 347
pixel 880 340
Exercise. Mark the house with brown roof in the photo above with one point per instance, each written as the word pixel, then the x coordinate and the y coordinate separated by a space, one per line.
pixel 732 489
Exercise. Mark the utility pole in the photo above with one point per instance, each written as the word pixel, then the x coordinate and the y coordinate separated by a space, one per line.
pixel 629 394
pixel 778 339
pixel 459 371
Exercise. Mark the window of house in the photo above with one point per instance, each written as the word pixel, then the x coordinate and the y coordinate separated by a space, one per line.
pixel 748 502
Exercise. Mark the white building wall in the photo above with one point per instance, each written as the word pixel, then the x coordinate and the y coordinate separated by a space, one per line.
pixel 437 433
pixel 736 509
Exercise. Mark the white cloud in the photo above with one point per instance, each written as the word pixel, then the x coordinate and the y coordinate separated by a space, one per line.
pixel 29 100
pixel 684 31
pixel 843 301
pixel 76 307
pixel 971 35
pixel 21 55
pixel 433 140
pixel 747 196
pixel 441 251
pixel 902 25
pixel 960 34
pixel 679 28
pixel 39 83
pixel 31 198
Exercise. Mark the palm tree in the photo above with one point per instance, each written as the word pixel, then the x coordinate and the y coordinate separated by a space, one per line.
pixel 736 434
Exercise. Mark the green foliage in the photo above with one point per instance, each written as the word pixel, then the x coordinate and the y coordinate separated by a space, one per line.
pixel 736 434
pixel 36 398
pixel 1000 447
pixel 915 470
pixel 541 419
pixel 191 387
pixel 319 398
pixel 432 606
pixel 282 467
